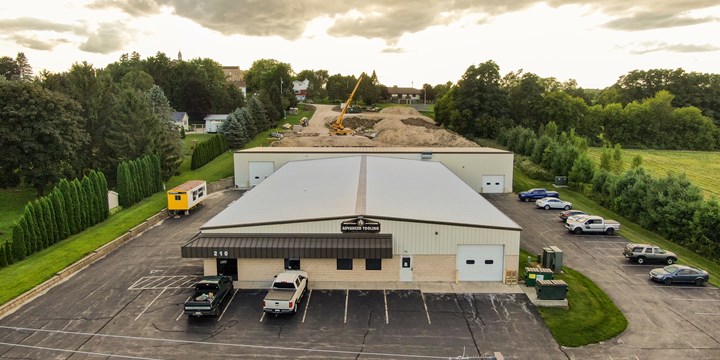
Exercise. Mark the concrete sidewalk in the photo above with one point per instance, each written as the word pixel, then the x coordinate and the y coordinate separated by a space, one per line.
pixel 426 287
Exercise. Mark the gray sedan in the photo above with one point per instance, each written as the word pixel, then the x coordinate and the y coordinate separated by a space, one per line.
pixel 679 274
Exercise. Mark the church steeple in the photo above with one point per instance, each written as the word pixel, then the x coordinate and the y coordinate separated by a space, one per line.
pixel 179 55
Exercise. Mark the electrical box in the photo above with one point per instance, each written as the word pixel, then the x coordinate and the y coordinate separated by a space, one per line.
pixel 552 258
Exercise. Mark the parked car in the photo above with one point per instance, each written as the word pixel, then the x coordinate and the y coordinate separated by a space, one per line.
pixel 642 253
pixel 276 134
pixel 535 194
pixel 286 292
pixel 679 274
pixel 592 224
pixel 568 213
pixel 553 203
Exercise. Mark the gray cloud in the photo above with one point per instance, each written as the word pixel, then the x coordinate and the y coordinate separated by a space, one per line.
pixel 393 50
pixel 109 37
pixel 389 20
pixel 35 43
pixel 35 24
pixel 675 48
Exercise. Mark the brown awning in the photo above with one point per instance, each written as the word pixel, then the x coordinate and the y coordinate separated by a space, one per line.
pixel 327 246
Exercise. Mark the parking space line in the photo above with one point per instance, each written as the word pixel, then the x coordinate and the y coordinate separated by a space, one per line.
pixel 150 304
pixel 307 304
pixel 387 320
pixel 174 281
pixel 228 305
pixel 347 292
pixel 425 305
pixel 183 311
pixel 262 317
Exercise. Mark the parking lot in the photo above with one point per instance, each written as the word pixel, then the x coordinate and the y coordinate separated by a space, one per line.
pixel 129 305
pixel 665 322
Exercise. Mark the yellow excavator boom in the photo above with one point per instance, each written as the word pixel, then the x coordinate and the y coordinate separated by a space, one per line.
pixel 338 128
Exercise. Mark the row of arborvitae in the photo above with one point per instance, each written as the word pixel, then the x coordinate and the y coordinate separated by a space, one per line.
pixel 206 151
pixel 71 207
pixel 138 179
pixel 242 125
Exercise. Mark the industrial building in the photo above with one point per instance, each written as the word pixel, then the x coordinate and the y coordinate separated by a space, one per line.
pixel 362 217
pixel 485 170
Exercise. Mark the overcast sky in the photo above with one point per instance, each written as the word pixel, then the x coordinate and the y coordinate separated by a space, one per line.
pixel 407 43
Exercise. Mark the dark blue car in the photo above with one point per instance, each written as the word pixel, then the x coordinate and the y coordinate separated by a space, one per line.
pixel 679 274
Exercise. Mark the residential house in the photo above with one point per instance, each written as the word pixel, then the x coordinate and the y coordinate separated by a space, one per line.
pixel 236 77
pixel 403 95
pixel 300 89
pixel 213 122
pixel 181 119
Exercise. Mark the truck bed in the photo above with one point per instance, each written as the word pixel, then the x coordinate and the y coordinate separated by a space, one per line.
pixel 279 295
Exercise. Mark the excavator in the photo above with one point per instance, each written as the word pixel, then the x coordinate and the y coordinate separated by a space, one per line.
pixel 337 126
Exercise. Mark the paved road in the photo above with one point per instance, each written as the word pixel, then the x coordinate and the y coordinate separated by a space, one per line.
pixel 129 305
pixel 665 322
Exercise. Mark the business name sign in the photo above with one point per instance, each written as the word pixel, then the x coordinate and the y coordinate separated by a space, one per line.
pixel 360 225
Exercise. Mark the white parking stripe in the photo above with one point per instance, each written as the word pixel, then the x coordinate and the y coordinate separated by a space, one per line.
pixel 307 304
pixel 425 305
pixel 183 311
pixel 228 305
pixel 77 352
pixel 262 317
pixel 387 320
pixel 148 305
pixel 347 293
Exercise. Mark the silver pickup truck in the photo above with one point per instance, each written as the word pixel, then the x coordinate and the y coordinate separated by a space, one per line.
pixel 592 224
pixel 286 292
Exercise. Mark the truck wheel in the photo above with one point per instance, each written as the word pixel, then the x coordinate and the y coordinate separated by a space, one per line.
pixel 567 207
pixel 699 281
pixel 610 231
pixel 577 231
pixel 667 281
pixel 640 260
pixel 669 261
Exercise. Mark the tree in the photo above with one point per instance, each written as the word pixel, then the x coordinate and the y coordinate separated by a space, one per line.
pixel 234 128
pixel 131 131
pixel 42 229
pixel 70 209
pixel 28 235
pixel 58 205
pixel 32 231
pixel 273 78
pixel 9 68
pixel 257 112
pixel 40 130
pixel 7 249
pixel 53 232
pixel 3 258
pixel 18 242
pixel 77 206
pixel 617 160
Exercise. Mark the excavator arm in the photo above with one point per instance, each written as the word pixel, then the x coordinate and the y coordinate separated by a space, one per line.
pixel 337 126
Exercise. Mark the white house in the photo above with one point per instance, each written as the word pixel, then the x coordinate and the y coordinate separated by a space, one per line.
pixel 213 122
pixel 300 89
pixel 181 119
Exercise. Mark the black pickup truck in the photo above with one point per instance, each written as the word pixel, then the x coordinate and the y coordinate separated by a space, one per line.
pixel 209 293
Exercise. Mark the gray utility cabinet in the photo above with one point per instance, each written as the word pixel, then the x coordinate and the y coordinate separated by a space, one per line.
pixel 552 258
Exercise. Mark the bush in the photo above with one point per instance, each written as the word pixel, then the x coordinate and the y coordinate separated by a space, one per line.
pixel 532 170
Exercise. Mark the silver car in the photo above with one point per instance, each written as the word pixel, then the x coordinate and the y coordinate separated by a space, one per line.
pixel 553 203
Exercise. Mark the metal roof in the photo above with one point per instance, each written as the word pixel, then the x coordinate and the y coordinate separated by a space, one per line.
pixel 280 246
pixel 188 185
pixel 364 150
pixel 374 187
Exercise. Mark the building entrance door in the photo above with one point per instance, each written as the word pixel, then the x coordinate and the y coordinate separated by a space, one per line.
pixel 228 267
pixel 406 268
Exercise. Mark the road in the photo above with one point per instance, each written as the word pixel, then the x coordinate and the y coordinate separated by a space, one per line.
pixel 664 322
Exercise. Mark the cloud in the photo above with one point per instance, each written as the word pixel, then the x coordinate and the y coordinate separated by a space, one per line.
pixel 35 43
pixel 35 24
pixel 648 20
pixel 108 38
pixel 650 47
pixel 390 20
pixel 393 50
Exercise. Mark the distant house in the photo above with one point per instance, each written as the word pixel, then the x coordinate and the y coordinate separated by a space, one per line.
pixel 236 77
pixel 181 119
pixel 213 122
pixel 300 89
pixel 403 95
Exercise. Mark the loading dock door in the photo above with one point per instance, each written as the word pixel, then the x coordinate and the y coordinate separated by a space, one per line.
pixel 493 184
pixel 259 171
pixel 480 262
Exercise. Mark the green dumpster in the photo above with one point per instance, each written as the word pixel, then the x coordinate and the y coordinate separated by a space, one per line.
pixel 551 289
pixel 533 274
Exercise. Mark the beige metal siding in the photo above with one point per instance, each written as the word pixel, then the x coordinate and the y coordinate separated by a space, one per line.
pixel 470 167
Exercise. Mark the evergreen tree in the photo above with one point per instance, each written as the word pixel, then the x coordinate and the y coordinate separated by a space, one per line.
pixel 29 240
pixel 91 203
pixel 157 172
pixel 3 258
pixel 67 198
pixel 58 205
pixel 148 176
pixel 39 217
pixel 32 228
pixel 234 129
pixel 54 235
pixel 104 194
pixel 124 187
pixel 78 204
pixel 18 241
pixel 137 180
pixel 8 253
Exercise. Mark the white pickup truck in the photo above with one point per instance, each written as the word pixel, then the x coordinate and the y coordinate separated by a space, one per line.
pixel 286 292
pixel 592 224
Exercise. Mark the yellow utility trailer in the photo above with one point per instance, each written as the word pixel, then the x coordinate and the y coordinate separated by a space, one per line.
pixel 186 196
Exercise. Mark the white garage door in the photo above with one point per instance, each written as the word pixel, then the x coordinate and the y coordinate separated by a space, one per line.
pixel 480 262
pixel 259 171
pixel 493 184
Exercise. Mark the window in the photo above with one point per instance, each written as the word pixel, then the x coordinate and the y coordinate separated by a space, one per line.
pixel 648 251
pixel 344 264
pixel 292 263
pixel 373 264
pixel 178 197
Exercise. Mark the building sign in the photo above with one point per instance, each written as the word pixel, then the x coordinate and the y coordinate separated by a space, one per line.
pixel 360 225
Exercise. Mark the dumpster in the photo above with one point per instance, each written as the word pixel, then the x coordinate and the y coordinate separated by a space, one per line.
pixel 533 274
pixel 551 289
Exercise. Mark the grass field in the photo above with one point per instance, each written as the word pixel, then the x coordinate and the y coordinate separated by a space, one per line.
pixel 701 167
pixel 12 204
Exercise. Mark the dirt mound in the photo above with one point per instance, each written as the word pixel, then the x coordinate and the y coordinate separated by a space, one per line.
pixel 358 121
pixel 420 122
pixel 393 134
pixel 326 141
pixel 400 110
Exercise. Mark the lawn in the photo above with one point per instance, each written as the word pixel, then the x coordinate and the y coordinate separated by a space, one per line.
pixel 12 205
pixel 592 316
pixel 701 167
